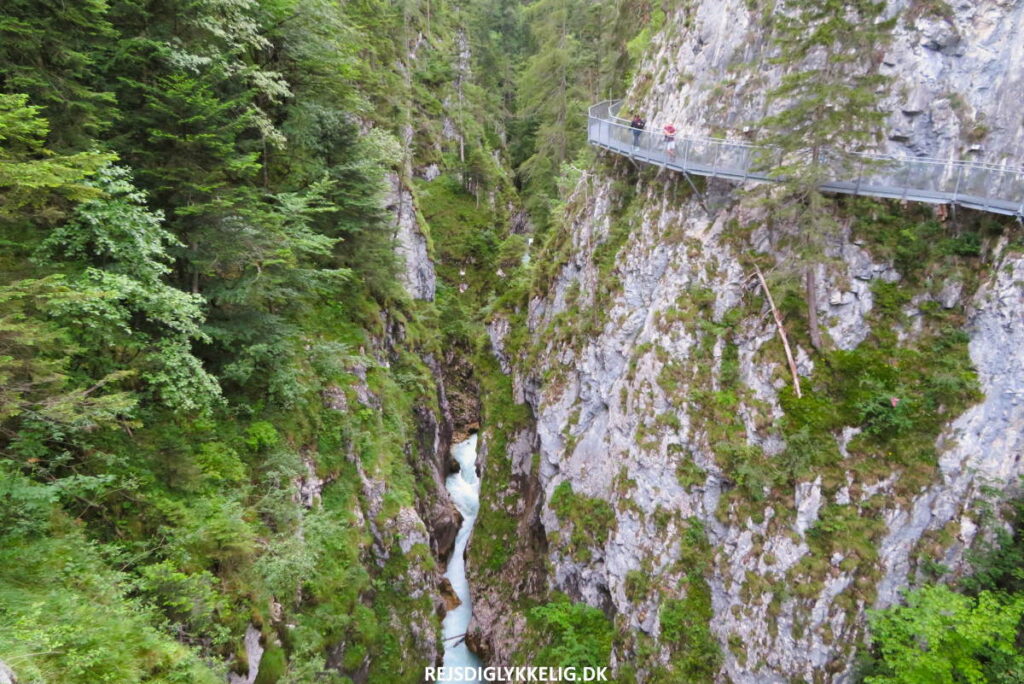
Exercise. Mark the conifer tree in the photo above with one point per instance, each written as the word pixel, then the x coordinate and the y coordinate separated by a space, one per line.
pixel 828 99
pixel 52 52
pixel 825 109
pixel 548 84
pixel 551 97
pixel 31 176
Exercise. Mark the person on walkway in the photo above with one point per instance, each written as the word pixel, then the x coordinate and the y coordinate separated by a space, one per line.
pixel 637 124
pixel 670 140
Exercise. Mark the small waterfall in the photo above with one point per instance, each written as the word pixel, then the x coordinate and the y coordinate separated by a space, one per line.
pixel 464 489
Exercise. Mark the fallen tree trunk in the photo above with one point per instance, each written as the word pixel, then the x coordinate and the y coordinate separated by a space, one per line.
pixel 782 332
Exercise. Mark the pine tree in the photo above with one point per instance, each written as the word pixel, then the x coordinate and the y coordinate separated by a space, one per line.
pixel 52 52
pixel 579 52
pixel 122 319
pixel 828 100
pixel 826 109
pixel 551 94
pixel 33 180
pixel 498 36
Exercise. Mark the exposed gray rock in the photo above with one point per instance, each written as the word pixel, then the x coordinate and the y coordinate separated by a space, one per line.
pixel 597 400
pixel 430 172
pixel 808 502
pixel 334 398
pixel 418 275
pixel 938 33
pixel 497 330
pixel 410 529
pixel 984 447
pixel 7 675
pixel 362 389
pixel 253 654
pixel 309 487
pixel 950 294
pixel 606 396
pixel 947 69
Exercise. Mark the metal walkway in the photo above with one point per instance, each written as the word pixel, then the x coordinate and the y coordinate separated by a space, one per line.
pixel 986 187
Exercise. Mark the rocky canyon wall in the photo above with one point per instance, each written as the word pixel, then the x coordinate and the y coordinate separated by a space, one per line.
pixel 663 463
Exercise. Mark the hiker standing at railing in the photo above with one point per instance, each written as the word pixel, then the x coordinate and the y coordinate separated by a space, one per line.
pixel 670 140
pixel 637 124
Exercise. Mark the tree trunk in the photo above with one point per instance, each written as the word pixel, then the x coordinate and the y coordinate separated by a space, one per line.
pixel 782 333
pixel 810 282
pixel 195 268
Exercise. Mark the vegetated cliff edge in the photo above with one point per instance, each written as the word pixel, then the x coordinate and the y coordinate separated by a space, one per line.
pixel 670 476
pixel 261 432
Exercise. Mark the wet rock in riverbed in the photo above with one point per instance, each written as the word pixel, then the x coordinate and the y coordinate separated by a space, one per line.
pixel 448 595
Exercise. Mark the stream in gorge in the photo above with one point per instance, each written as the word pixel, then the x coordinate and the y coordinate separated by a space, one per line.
pixel 464 489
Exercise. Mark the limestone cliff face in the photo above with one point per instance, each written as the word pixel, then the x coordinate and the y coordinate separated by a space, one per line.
pixel 598 427
pixel 417 274
pixel 619 381
pixel 956 68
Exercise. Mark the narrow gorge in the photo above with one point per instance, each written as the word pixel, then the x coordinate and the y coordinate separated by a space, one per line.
pixel 464 488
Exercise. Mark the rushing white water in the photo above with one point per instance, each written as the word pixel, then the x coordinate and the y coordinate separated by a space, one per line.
pixel 464 488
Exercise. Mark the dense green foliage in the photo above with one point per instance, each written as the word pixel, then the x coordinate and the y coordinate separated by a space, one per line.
pixel 589 521
pixel 826 104
pixel 577 635
pixel 899 395
pixel 200 305
pixel 575 53
pixel 970 632
pixel 199 308
pixel 942 636
pixel 997 564
pixel 686 622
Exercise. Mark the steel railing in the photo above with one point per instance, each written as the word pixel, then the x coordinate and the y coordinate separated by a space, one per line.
pixel 997 188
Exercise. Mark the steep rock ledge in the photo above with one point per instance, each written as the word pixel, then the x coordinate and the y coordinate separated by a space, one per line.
pixel 621 418
pixel 955 68
pixel 650 335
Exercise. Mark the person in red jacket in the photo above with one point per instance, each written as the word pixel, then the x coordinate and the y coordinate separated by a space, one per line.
pixel 670 140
